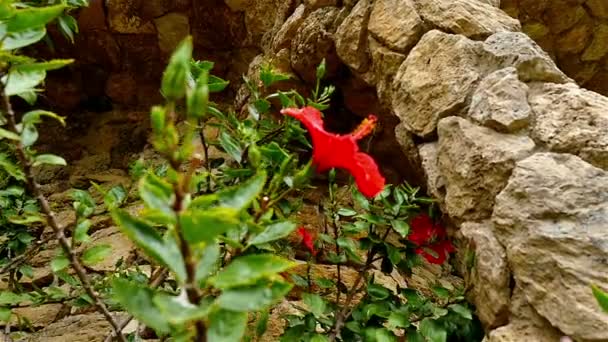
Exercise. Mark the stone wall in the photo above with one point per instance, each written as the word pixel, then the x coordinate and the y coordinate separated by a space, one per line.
pixel 515 151
pixel 123 46
pixel 573 32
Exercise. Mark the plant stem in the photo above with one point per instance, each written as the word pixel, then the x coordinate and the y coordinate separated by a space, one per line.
pixel 180 190
pixel 206 156
pixel 52 221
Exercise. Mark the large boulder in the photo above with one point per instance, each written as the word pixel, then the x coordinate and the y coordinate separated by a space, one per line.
pixel 476 163
pixel 473 19
pixel 351 37
pixel 396 24
pixel 572 120
pixel 501 102
pixel 552 218
pixel 436 80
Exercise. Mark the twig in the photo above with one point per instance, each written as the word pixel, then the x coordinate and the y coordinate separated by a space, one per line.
pixel 52 221
pixel 155 281
pixel 346 310
pixel 18 260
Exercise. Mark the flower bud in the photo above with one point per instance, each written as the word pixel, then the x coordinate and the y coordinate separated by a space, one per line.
pixel 174 84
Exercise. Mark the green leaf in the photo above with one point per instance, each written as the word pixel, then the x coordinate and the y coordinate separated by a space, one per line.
pixel 157 194
pixel 401 227
pixel 34 117
pixel 346 212
pixel 11 298
pixel 226 326
pixel 432 330
pixel 49 159
pixel 115 197
pixel 378 292
pixel 414 336
pixel 29 97
pixel 165 251
pixel 44 66
pixel 174 84
pixel 350 246
pixel 96 254
pixel 208 262
pixel 319 338
pixel 81 230
pixel 178 310
pixel 24 19
pixel 217 84
pixel 441 292
pixel 238 197
pixel 379 335
pixel 262 324
pixel 206 226
pixel 398 320
pixel 5 134
pixel 462 310
pixel 253 298
pixel 18 81
pixel 231 146
pixel 273 232
pixel 5 314
pixel 10 168
pixel 68 26
pixel 59 263
pixel 84 204
pixel 315 304
pixel 138 301
pixel 268 76
pixel 249 269
pixel 29 135
pixel 601 296
pixel 16 40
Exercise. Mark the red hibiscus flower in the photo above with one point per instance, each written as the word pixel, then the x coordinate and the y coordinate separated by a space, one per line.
pixel 341 151
pixel 430 239
pixel 307 240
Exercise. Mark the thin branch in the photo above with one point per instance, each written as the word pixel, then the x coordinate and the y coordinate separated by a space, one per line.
pixel 21 258
pixel 52 221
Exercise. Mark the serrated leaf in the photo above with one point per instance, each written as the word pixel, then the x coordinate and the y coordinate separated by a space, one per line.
pixel 16 40
pixel 206 226
pixel 237 197
pixel 249 269
pixel 208 262
pixel 84 204
pixel 178 310
pixel 138 301
pixel 432 330
pixel 217 84
pixel 96 254
pixel 315 304
pixel 401 227
pixel 81 230
pixel 115 197
pixel 11 168
pixel 18 82
pixel 59 263
pixel 226 326
pixel 253 298
pixel 165 251
pixel 157 194
pixel 378 292
pixel 273 232
pixel 49 159
pixel 231 146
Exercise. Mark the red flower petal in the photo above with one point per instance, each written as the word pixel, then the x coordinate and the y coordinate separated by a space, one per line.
pixel 422 230
pixel 307 240
pixel 341 151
